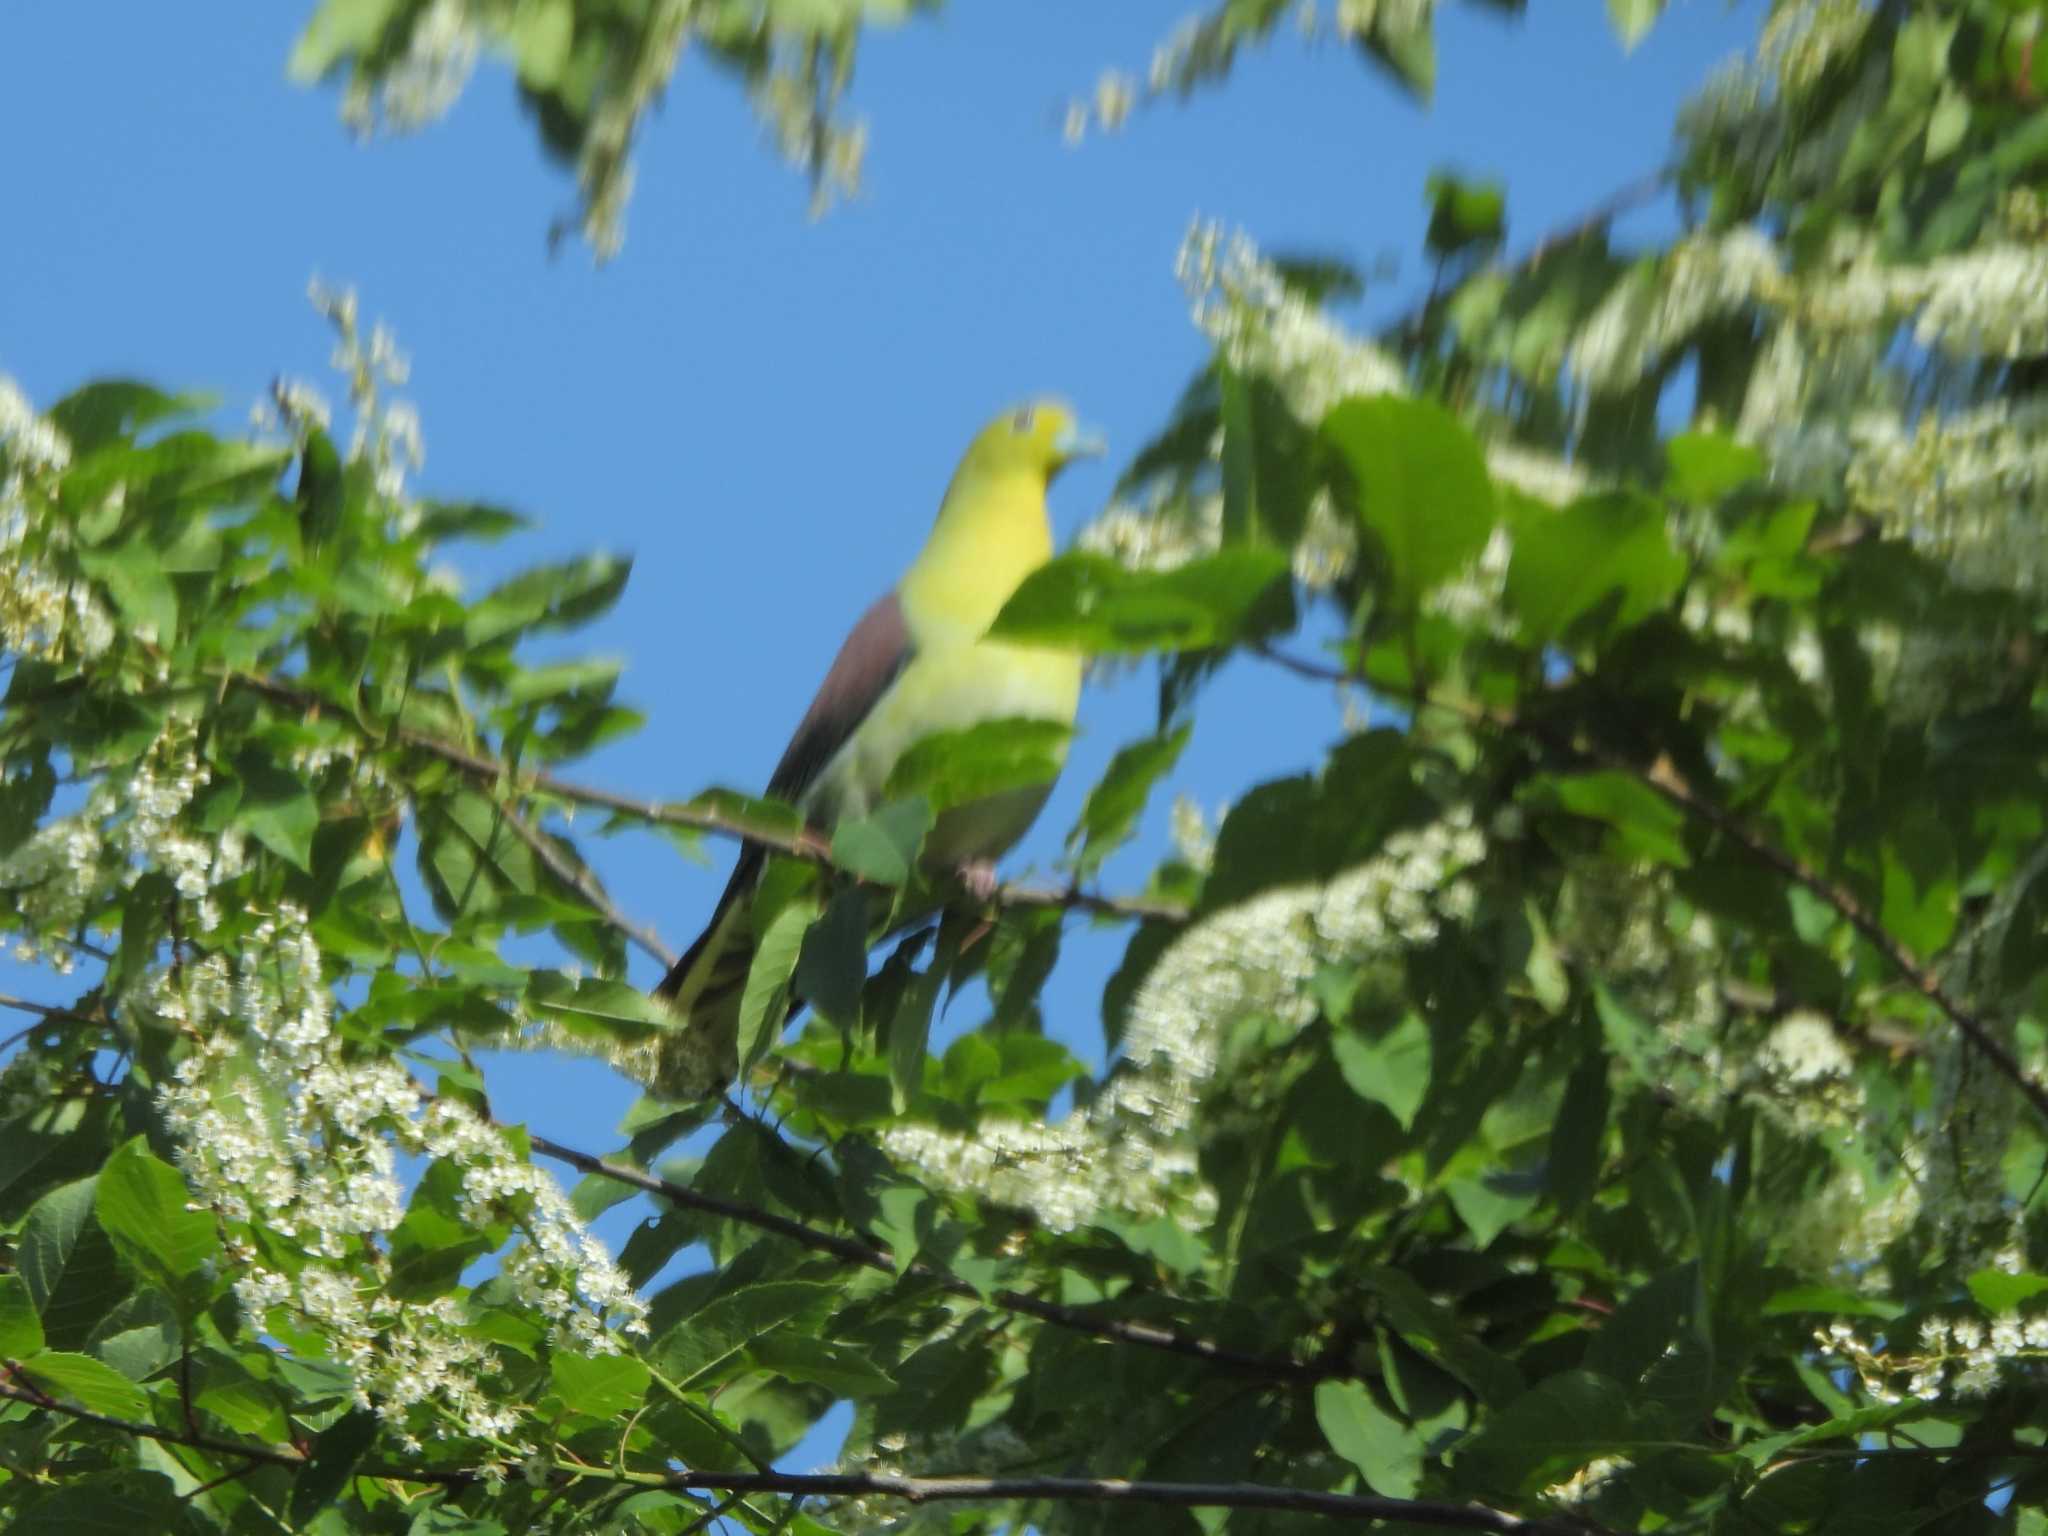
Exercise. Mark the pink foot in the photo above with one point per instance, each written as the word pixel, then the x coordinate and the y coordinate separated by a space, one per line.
pixel 980 878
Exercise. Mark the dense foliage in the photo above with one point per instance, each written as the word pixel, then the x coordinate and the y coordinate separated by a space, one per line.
pixel 1606 1091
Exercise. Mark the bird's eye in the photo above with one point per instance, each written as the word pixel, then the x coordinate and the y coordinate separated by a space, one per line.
pixel 1023 421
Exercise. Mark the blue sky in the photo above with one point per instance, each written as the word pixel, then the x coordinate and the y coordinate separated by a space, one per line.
pixel 761 408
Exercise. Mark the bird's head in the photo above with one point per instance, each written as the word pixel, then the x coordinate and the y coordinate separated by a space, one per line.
pixel 1041 437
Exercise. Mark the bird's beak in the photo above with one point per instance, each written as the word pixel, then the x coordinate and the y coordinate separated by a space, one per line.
pixel 1077 442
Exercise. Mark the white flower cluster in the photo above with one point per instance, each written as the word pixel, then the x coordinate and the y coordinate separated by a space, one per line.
pixel 1970 487
pixel 1264 327
pixel 1955 1357
pixel 280 1129
pixel 809 134
pixel 1132 1152
pixel 388 435
pixel 1660 303
pixel 72 865
pixel 420 87
pixel 40 615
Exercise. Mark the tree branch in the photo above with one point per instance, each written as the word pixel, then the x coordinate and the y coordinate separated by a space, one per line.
pixel 914 1490
pixel 1665 779
pixel 802 844
pixel 868 1255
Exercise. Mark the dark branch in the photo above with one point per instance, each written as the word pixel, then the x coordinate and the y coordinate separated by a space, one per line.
pixel 868 1255
pixel 1670 784
pixel 802 844
pixel 914 1490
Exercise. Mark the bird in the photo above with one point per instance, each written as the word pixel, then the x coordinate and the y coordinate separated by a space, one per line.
pixel 918 663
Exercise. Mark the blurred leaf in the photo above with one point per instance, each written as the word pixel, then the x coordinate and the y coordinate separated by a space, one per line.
pixel 1464 213
pixel 1304 829
pixel 1118 798
pixel 277 809
pixel 883 847
pixel 1705 466
pixel 1632 19
pixel 1391 1070
pixel 1087 602
pixel 1418 486
pixel 1996 1291
pixel 548 597
pixel 595 1008
pixel 956 768
pixel 832 965
pixel 1566 562
pixel 1644 824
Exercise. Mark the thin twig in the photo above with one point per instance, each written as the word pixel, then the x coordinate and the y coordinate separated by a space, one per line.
pixel 801 844
pixel 1665 779
pixel 868 1255
pixel 913 1490
pixel 585 885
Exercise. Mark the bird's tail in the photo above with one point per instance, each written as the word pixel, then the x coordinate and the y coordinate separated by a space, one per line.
pixel 700 1056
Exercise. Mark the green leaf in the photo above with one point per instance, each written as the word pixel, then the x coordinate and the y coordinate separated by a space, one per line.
pixel 134 577
pixel 1417 485
pixel 1831 1301
pixel 1386 1452
pixel 955 768
pixel 1302 829
pixel 832 966
pixel 883 847
pixel 540 35
pixel 277 809
pixel 1569 561
pixel 337 1450
pixel 1551 1430
pixel 840 1370
pixel 597 1009
pixel 1644 824
pixel 602 1386
pixel 1270 473
pixel 1632 19
pixel 910 1030
pixel 1997 1291
pixel 548 597
pixel 21 1331
pixel 108 409
pixel 1921 902
pixel 1118 798
pixel 123 1502
pixel 1702 467
pixel 1088 602
pixel 142 1202
pixel 90 1383
pixel 1392 1070
pixel 340 29
pixel 67 1261
pixel 1464 213
pixel 714 1337
pixel 444 521
pixel 764 1004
